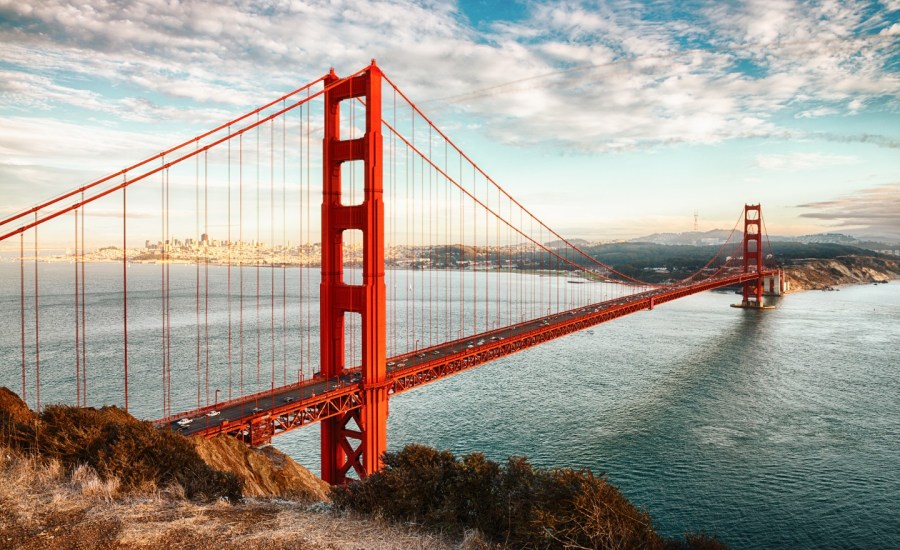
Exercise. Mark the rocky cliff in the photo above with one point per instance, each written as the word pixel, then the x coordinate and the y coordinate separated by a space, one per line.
pixel 815 274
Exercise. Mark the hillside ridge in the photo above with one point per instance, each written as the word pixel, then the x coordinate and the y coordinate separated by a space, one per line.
pixel 824 274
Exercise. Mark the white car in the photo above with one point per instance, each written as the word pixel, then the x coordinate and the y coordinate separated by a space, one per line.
pixel 185 421
pixel 212 413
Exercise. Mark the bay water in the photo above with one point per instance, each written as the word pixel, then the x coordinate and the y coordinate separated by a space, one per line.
pixel 776 428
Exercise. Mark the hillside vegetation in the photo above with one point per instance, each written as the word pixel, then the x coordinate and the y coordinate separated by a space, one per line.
pixel 99 478
pixel 513 504
pixel 678 261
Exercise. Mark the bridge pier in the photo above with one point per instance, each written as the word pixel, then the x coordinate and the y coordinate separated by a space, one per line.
pixel 775 285
pixel 261 432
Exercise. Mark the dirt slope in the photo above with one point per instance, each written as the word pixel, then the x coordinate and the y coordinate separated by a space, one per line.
pixel 263 472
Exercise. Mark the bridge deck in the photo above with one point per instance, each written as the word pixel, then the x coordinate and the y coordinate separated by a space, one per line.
pixel 256 418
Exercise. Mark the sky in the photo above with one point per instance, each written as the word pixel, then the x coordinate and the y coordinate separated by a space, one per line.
pixel 609 120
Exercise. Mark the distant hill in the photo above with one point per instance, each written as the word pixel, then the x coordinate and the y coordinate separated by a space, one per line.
pixel 819 238
pixel 692 238
pixel 883 246
pixel 719 236
pixel 654 263
pixel 577 242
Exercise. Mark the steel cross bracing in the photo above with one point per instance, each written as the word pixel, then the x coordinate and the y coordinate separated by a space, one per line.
pixel 299 405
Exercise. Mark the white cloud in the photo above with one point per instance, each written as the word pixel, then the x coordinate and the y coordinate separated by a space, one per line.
pixel 793 162
pixel 817 112
pixel 873 211
pixel 26 140
pixel 893 30
pixel 574 73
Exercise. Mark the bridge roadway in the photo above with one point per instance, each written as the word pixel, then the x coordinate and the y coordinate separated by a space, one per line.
pixel 256 418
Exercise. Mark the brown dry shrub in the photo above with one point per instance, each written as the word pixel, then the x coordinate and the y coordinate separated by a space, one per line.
pixel 115 445
pixel 514 504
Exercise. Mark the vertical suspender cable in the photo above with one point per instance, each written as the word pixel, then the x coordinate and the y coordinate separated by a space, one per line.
pixel 22 300
pixel 447 282
pixel 308 232
pixel 125 290
pixel 197 263
pixel 301 245
pixel 413 233
pixel 256 254
pixel 162 280
pixel 487 246
pixel 168 291
pixel 206 269
pixel 84 391
pixel 228 275
pixel 272 244
pixel 407 220
pixel 392 242
pixel 474 255
pixel 77 323
pixel 283 247
pixel 37 332
pixel 241 256
pixel 433 216
pixel 497 228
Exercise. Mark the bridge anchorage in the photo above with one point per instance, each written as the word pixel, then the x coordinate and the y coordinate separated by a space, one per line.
pixel 420 267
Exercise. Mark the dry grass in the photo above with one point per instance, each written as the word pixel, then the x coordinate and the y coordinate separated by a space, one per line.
pixel 114 445
pixel 95 479
pixel 43 507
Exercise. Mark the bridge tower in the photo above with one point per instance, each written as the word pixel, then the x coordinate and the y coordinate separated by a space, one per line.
pixel 753 255
pixel 357 439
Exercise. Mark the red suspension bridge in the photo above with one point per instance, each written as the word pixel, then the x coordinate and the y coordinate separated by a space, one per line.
pixel 256 307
